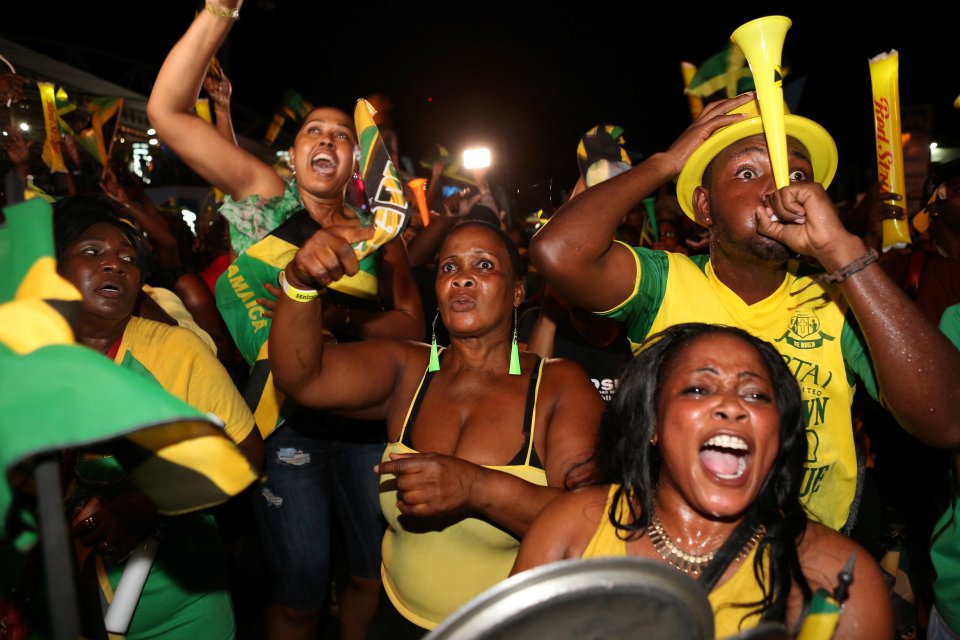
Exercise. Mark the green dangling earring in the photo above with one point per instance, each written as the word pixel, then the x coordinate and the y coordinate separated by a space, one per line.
pixel 434 358
pixel 514 351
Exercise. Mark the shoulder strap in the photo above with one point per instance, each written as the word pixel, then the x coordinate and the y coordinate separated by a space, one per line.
pixel 530 413
pixel 406 435
pixel 730 549
pixel 528 453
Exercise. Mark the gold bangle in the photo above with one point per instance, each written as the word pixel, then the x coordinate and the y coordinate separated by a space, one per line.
pixel 300 295
pixel 222 12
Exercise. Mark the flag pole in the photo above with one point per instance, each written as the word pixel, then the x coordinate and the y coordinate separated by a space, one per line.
pixel 113 138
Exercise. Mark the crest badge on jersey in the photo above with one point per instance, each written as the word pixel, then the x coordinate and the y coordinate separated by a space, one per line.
pixel 803 330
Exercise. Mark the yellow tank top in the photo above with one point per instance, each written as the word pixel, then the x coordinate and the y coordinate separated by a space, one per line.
pixel 742 587
pixel 433 566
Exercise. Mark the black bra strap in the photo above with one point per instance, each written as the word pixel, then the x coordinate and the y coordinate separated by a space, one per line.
pixel 406 438
pixel 729 551
pixel 528 416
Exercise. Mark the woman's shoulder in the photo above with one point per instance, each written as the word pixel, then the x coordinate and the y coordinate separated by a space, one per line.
pixel 867 612
pixel 565 376
pixel 818 538
pixel 577 507
pixel 172 338
pixel 823 553
pixel 564 368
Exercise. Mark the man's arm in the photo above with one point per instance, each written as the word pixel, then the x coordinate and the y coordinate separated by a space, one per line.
pixel 575 250
pixel 917 368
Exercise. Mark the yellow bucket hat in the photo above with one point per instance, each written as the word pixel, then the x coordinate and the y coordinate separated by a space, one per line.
pixel 819 143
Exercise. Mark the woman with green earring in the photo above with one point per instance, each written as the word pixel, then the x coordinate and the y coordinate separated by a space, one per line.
pixel 481 436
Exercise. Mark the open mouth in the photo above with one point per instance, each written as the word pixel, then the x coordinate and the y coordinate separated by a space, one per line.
pixel 109 290
pixel 725 456
pixel 324 163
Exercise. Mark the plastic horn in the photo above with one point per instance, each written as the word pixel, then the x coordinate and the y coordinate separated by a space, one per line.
pixel 419 186
pixel 886 126
pixel 761 41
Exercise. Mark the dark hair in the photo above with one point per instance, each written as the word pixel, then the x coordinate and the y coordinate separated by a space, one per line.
pixel 75 214
pixel 483 214
pixel 347 112
pixel 517 267
pixel 624 455
pixel 939 174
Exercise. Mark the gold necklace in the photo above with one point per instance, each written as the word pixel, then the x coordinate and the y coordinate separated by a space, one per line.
pixel 690 563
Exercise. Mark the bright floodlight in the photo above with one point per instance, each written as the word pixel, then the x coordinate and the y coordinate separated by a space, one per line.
pixel 476 158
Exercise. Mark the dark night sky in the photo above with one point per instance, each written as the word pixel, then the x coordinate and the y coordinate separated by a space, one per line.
pixel 527 79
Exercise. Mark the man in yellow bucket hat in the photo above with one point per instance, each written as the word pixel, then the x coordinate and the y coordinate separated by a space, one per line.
pixel 835 324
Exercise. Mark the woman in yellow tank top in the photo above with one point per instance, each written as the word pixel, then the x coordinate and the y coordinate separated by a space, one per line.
pixel 477 446
pixel 698 464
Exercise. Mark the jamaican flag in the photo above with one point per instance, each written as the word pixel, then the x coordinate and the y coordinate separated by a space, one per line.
pixel 822 617
pixel 242 284
pixel 380 183
pixel 601 155
pixel 57 395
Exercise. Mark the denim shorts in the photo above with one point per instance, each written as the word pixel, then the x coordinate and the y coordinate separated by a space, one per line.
pixel 305 476
pixel 937 628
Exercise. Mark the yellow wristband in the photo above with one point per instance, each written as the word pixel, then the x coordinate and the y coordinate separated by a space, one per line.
pixel 222 12
pixel 300 295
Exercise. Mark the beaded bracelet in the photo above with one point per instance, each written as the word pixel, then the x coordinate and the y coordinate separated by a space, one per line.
pixel 222 12
pixel 856 266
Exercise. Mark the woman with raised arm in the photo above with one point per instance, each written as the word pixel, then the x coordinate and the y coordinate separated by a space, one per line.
pixel 481 436
pixel 311 458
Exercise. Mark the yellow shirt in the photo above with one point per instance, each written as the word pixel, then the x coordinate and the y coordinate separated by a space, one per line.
pixel 183 365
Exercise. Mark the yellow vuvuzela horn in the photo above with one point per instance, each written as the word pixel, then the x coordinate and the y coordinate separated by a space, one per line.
pixel 761 41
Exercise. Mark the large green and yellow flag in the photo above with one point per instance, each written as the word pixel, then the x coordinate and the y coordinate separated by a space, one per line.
pixel 382 188
pixel 57 395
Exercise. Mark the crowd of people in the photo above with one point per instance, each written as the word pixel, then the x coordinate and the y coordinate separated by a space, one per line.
pixel 683 363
